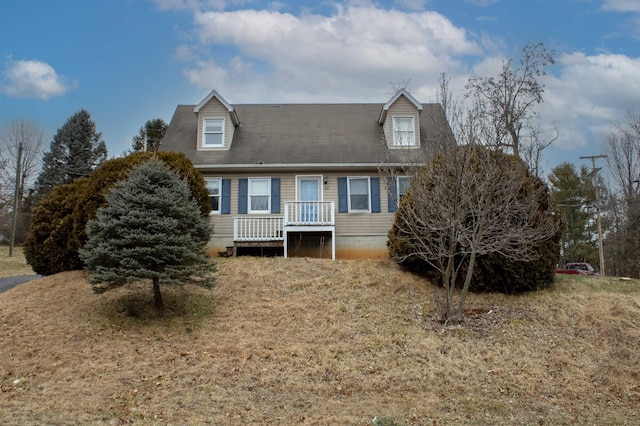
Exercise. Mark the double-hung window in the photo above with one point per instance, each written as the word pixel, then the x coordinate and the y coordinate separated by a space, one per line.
pixel 213 133
pixel 402 184
pixel 259 195
pixel 403 131
pixel 214 186
pixel 358 195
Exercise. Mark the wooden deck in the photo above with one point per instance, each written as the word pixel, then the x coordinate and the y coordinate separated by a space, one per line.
pixel 271 231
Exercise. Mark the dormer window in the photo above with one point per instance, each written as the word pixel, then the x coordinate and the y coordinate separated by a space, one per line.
pixel 403 131
pixel 213 136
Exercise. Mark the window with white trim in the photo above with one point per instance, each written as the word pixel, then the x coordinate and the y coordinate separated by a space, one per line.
pixel 259 195
pixel 213 133
pixel 359 194
pixel 403 131
pixel 402 184
pixel 214 186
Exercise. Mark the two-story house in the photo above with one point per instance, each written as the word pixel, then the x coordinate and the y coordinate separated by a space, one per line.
pixel 304 179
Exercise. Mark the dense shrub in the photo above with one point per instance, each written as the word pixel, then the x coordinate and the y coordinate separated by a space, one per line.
pixel 494 272
pixel 59 220
pixel 497 273
pixel 49 248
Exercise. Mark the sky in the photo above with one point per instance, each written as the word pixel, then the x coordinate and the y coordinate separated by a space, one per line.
pixel 127 61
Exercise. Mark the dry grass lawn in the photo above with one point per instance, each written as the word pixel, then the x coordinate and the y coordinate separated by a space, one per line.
pixel 315 342
pixel 14 265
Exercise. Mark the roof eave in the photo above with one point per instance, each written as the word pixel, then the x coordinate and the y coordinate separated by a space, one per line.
pixel 214 94
pixel 306 167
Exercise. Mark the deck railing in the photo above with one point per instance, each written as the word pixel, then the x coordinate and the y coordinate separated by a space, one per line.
pixel 296 213
pixel 254 228
pixel 309 213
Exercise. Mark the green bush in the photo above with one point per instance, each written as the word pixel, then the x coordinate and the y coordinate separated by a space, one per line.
pixel 59 222
pixel 49 247
pixel 493 272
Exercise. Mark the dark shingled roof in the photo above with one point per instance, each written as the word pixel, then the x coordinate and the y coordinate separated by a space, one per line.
pixel 295 134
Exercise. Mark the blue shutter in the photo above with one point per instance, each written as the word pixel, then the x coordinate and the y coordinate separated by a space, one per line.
pixel 392 193
pixel 225 207
pixel 375 194
pixel 275 195
pixel 343 205
pixel 243 188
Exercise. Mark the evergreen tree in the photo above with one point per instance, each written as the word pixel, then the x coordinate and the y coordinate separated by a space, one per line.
pixel 573 195
pixel 60 218
pixel 150 136
pixel 149 229
pixel 76 150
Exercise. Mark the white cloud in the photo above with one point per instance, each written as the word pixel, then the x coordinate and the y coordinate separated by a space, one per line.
pixel 32 79
pixel 206 73
pixel 622 5
pixel 185 53
pixel 590 95
pixel 352 50
pixel 353 53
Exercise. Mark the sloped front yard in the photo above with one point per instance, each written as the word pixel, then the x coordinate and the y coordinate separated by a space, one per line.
pixel 304 341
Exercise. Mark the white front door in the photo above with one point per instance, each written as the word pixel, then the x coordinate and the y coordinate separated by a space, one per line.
pixel 309 191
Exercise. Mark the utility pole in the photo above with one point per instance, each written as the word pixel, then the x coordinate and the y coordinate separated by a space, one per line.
pixel 16 195
pixel 593 173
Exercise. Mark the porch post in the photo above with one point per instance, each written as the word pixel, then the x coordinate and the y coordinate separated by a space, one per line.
pixel 333 243
pixel 286 239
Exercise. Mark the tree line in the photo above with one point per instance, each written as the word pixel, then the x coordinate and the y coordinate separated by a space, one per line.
pixel 28 173
pixel 613 190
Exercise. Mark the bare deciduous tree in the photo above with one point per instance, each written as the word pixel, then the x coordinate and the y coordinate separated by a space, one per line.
pixel 20 151
pixel 623 160
pixel 537 141
pixel 467 202
pixel 508 104
pixel 624 154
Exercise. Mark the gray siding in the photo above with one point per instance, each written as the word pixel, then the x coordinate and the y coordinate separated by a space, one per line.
pixel 347 224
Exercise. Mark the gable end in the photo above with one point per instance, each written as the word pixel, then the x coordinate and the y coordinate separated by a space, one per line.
pixel 400 120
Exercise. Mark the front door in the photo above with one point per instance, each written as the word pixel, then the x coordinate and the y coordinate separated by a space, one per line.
pixel 309 192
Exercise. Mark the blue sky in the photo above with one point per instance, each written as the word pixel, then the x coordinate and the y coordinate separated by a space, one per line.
pixel 127 61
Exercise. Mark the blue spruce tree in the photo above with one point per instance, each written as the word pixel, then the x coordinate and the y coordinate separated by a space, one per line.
pixel 149 229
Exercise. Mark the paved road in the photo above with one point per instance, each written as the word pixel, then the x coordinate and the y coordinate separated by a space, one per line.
pixel 11 282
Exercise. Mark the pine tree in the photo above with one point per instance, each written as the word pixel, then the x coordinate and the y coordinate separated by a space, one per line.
pixel 76 150
pixel 573 194
pixel 149 229
pixel 150 136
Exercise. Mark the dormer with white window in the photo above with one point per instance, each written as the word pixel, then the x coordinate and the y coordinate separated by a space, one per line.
pixel 400 120
pixel 217 121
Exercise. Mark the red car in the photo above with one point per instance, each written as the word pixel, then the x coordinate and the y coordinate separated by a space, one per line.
pixel 577 268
